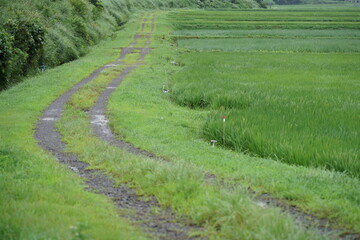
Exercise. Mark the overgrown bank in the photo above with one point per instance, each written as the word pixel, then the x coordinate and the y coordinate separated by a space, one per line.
pixel 38 34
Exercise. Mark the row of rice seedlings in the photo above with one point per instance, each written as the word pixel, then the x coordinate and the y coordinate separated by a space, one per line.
pixel 273 45
pixel 333 15
pixel 314 19
pixel 266 33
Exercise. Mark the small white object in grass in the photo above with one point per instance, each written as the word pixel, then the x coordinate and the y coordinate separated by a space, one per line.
pixel 213 142
pixel 173 62
pixel 72 227
pixel 261 204
pixel 111 87
pixel 165 90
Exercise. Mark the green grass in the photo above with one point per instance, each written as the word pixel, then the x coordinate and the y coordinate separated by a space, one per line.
pixel 180 186
pixel 226 214
pixel 162 126
pixel 39 198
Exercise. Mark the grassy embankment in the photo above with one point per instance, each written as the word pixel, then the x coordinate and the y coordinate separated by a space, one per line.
pixel 40 199
pixel 226 214
pixel 163 127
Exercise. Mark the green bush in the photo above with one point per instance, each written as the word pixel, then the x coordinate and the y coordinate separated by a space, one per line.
pixel 21 49
pixel 5 58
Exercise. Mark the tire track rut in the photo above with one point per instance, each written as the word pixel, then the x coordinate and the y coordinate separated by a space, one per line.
pixel 162 225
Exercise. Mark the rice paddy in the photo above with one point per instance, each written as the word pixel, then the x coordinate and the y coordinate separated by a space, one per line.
pixel 290 89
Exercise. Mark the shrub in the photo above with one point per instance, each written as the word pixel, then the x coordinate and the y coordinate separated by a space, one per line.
pixel 29 40
pixel 5 58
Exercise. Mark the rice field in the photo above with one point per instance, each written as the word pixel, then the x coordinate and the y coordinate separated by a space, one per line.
pixel 346 17
pixel 288 82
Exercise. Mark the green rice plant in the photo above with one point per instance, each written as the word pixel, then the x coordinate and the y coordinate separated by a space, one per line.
pixel 267 19
pixel 266 33
pixel 304 103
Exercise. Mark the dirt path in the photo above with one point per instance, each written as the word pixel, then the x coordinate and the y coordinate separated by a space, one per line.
pixel 163 224
pixel 101 129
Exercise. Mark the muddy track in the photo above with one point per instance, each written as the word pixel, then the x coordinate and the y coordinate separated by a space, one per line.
pixel 163 224
pixel 101 129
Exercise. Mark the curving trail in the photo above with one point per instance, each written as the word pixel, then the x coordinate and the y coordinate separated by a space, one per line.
pixel 97 112
pixel 163 225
